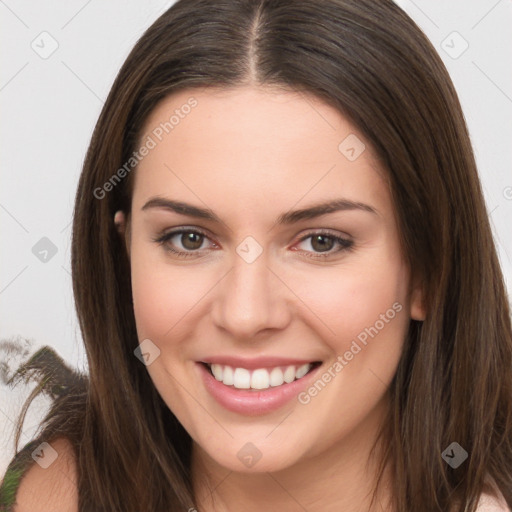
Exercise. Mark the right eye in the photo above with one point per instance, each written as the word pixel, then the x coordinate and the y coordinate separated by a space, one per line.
pixel 191 241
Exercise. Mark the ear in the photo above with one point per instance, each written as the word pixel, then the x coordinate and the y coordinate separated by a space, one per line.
pixel 417 303
pixel 123 228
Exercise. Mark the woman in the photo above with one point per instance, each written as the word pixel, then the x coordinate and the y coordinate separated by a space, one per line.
pixel 345 345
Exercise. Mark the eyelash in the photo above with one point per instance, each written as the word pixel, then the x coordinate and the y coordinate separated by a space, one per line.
pixel 344 244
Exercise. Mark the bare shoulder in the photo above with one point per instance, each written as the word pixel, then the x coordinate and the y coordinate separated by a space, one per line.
pixel 51 484
pixel 492 500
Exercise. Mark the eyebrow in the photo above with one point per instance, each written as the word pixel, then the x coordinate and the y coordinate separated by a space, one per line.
pixel 290 217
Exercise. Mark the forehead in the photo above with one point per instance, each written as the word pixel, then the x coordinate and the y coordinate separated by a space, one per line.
pixel 253 145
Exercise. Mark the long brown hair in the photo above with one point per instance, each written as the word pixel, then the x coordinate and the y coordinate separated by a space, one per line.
pixel 369 60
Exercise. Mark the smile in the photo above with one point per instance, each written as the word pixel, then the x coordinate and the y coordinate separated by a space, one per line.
pixel 260 378
pixel 256 387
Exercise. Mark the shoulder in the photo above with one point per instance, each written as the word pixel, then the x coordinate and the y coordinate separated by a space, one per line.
pixel 50 484
pixel 492 502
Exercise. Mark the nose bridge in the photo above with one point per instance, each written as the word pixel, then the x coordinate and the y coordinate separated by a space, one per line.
pixel 250 298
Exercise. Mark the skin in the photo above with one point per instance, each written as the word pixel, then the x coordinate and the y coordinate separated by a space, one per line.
pixel 250 154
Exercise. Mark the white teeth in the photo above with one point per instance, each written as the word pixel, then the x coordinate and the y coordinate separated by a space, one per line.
pixel 302 371
pixel 276 377
pixel 227 376
pixel 289 374
pixel 260 379
pixel 241 378
pixel 217 371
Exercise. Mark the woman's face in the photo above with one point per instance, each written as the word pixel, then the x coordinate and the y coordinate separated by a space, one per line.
pixel 265 283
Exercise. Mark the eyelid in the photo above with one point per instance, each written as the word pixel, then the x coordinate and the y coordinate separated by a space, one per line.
pixel 325 231
pixel 165 235
pixel 344 241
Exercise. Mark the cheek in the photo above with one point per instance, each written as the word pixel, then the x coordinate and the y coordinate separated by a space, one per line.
pixel 163 299
pixel 163 294
pixel 360 303
pixel 366 311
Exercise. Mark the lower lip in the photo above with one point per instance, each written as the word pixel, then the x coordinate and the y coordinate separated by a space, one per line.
pixel 253 402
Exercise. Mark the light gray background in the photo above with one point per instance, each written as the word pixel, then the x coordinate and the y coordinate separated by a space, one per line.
pixel 50 103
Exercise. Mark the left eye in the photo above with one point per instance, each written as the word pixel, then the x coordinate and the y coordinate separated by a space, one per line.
pixel 192 241
pixel 322 244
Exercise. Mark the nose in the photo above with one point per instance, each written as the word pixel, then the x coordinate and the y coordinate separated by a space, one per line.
pixel 251 299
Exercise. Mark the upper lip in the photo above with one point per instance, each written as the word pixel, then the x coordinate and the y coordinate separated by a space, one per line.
pixel 256 362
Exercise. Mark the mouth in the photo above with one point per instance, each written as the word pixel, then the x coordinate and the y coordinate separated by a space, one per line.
pixel 259 379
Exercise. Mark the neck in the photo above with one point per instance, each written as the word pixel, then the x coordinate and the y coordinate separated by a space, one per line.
pixel 340 479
